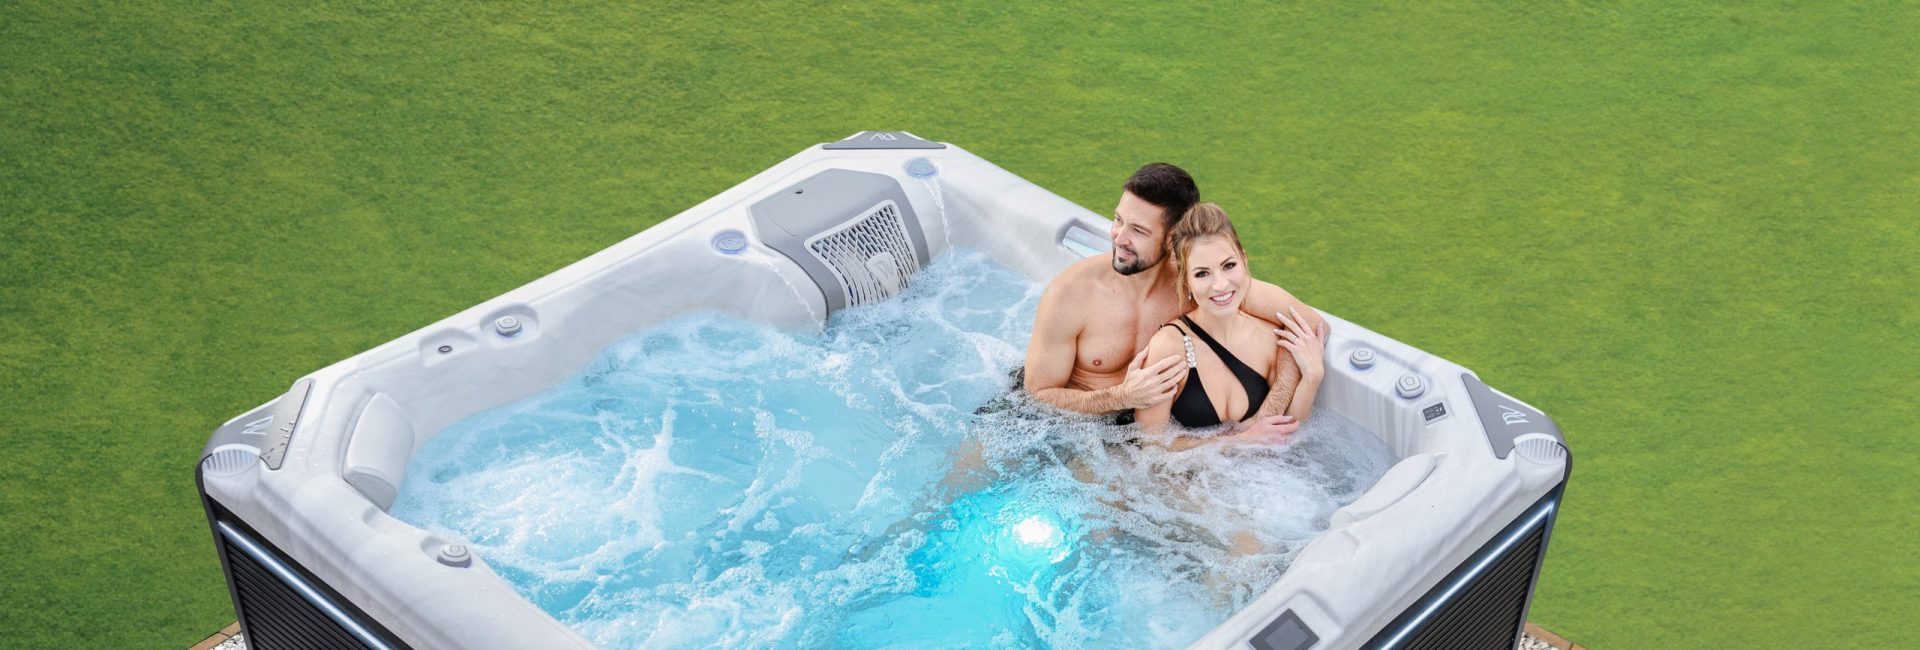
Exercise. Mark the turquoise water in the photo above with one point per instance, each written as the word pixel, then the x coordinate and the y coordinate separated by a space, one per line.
pixel 713 482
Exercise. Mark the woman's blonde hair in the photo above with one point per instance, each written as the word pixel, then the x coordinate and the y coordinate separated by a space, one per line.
pixel 1203 220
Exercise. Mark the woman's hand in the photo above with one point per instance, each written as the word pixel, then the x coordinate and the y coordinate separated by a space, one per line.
pixel 1307 344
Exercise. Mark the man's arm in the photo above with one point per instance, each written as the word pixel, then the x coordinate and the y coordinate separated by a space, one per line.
pixel 1306 346
pixel 1266 301
pixel 1050 354
pixel 1286 381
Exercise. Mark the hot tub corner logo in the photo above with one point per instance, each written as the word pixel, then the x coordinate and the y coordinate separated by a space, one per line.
pixel 1511 416
pixel 258 427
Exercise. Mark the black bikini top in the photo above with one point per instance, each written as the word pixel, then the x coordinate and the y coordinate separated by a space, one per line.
pixel 1192 408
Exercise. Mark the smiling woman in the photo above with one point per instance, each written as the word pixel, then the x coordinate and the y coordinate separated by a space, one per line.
pixel 746 394
pixel 1239 358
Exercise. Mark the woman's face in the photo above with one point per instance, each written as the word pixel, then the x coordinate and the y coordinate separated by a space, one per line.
pixel 1216 275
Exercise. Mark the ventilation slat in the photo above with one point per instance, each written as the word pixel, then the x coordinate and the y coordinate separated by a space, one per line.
pixel 1498 588
pixel 270 607
pixel 275 616
pixel 281 624
pixel 1481 604
pixel 1487 613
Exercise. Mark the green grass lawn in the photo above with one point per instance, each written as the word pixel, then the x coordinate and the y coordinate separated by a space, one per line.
pixel 1690 233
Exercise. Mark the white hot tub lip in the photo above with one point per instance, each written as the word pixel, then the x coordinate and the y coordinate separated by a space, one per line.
pixel 1345 586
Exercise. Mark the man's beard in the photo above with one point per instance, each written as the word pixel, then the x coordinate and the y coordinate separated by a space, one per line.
pixel 1138 264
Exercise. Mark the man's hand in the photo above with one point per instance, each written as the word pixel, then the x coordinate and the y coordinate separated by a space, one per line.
pixel 1149 385
pixel 1272 429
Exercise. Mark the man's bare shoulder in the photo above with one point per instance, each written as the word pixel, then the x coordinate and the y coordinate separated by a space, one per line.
pixel 1084 275
pixel 1278 292
pixel 1062 308
pixel 1087 271
pixel 1268 298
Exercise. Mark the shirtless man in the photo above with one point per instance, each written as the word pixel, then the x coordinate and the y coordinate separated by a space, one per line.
pixel 1090 333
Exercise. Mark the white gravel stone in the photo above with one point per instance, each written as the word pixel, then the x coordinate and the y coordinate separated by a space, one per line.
pixel 237 642
pixel 1527 642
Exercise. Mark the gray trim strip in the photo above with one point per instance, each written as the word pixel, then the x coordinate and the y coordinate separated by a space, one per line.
pixel 292 579
pixel 267 428
pixel 1505 419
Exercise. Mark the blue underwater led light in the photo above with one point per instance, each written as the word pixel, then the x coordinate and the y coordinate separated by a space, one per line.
pixel 1022 540
pixel 1002 535
pixel 1034 531
pixel 1035 538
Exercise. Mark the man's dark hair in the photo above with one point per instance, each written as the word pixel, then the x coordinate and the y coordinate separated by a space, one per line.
pixel 1166 186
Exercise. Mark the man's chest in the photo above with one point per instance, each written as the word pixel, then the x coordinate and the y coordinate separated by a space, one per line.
pixel 1113 335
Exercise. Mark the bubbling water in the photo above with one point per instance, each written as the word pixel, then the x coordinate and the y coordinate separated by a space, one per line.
pixel 714 482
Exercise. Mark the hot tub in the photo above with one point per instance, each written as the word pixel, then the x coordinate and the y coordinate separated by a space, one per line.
pixel 1442 551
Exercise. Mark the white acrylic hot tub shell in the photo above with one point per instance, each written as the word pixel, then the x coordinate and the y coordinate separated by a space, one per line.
pixel 1346 585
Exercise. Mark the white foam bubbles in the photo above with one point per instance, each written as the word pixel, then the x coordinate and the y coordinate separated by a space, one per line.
pixel 717 482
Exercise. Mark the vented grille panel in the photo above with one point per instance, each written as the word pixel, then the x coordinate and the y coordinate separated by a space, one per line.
pixel 276 617
pixel 854 251
pixel 1487 614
